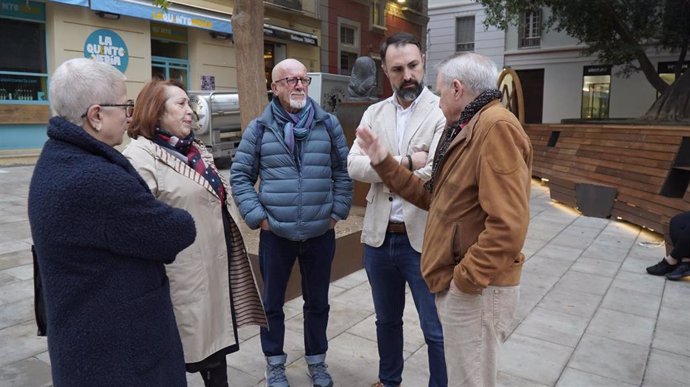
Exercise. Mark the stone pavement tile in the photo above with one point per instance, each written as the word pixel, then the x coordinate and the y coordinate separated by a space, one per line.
pixel 667 370
pixel 6 279
pixel 576 236
pixel 564 253
pixel 672 332
pixel 539 280
pixel 416 369
pixel 530 296
pixel 546 265
pixel 554 327
pixel 16 291
pixel 17 313
pixel 250 359
pixel 13 231
pixel 351 280
pixel 584 282
pixel 15 251
pixel 596 266
pixel 342 317
pixel 413 339
pixel 19 342
pixel 631 301
pixel 606 251
pixel 247 332
pixel 576 303
pixel 352 361
pixel 639 264
pixel 622 326
pixel 533 359
pixel 44 357
pixel 359 296
pixel 591 222
pixel 532 246
pixel 29 372
pixel 639 282
pixel 576 378
pixel 507 380
pixel 22 272
pixel 677 294
pixel 610 358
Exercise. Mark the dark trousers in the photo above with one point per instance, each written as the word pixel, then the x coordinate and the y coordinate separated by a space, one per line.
pixel 276 258
pixel 388 268
pixel 679 231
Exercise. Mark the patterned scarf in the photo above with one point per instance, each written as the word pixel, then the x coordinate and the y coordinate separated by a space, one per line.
pixel 454 128
pixel 185 147
pixel 295 126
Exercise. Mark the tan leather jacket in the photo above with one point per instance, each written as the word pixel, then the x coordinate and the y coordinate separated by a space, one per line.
pixel 479 210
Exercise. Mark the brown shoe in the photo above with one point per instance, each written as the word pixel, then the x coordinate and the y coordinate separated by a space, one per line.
pixel 379 384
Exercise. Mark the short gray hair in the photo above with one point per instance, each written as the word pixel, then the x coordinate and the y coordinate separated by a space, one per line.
pixel 476 71
pixel 79 83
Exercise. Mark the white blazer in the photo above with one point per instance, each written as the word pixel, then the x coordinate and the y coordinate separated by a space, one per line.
pixel 424 129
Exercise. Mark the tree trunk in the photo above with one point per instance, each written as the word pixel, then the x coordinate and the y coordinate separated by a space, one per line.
pixel 674 104
pixel 248 33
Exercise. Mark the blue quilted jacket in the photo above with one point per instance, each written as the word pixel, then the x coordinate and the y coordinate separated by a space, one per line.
pixel 297 200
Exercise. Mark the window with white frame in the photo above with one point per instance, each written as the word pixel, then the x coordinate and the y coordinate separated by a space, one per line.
pixel 348 44
pixel 530 29
pixel 464 33
pixel 378 13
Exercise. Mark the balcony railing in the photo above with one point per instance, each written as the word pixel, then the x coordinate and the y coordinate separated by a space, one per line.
pixel 290 4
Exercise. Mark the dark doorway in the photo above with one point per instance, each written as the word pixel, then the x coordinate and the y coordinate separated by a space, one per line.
pixel 533 91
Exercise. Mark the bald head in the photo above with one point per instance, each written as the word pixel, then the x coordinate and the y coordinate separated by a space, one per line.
pixel 287 66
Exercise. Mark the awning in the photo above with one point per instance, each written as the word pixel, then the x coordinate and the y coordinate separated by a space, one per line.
pixel 292 35
pixel 174 15
pixel 81 3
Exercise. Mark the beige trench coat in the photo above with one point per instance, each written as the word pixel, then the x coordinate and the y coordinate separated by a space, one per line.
pixel 200 277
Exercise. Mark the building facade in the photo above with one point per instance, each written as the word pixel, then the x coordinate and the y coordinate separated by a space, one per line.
pixel 557 80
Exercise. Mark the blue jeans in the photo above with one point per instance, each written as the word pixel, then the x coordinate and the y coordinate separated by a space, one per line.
pixel 388 268
pixel 276 258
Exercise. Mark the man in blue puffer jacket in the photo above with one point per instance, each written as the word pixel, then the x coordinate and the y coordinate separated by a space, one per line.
pixel 300 153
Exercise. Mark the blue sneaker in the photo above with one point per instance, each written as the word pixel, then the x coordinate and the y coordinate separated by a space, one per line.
pixel 275 371
pixel 318 371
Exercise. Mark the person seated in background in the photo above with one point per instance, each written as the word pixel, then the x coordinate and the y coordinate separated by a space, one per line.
pixel 102 240
pixel 676 265
pixel 213 288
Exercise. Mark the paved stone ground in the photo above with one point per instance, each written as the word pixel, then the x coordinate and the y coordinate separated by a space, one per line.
pixel 588 316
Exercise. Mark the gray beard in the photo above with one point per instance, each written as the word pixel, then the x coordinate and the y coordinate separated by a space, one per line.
pixel 409 95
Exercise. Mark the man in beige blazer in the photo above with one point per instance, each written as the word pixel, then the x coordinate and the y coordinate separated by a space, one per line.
pixel 410 123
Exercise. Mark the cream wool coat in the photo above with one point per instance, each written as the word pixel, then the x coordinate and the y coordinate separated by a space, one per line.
pixel 200 279
pixel 424 129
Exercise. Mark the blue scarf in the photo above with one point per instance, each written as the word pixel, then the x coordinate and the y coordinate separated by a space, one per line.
pixel 295 126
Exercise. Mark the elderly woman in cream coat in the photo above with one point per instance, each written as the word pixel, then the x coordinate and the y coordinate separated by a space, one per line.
pixel 213 288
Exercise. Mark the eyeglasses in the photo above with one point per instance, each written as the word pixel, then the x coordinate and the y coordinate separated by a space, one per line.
pixel 292 81
pixel 129 107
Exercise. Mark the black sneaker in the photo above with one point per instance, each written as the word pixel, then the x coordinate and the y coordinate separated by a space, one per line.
pixel 661 268
pixel 683 270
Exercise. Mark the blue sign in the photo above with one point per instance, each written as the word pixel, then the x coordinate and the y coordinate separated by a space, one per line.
pixel 144 10
pixel 108 47
pixel 23 9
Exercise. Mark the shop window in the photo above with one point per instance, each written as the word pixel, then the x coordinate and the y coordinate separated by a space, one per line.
pixel 169 53
pixel 23 65
pixel 530 29
pixel 464 33
pixel 596 86
pixel 378 14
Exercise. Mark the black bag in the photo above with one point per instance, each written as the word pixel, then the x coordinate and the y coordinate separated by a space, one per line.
pixel 39 305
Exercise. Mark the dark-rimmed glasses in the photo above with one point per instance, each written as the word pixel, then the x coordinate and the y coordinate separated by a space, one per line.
pixel 292 81
pixel 129 107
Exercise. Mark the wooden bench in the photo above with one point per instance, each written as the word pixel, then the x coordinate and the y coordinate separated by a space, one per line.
pixel 647 165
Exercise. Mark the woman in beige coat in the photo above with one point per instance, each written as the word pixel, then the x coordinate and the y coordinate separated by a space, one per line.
pixel 213 288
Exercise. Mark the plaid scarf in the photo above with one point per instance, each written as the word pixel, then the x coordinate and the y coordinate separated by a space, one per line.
pixel 185 147
pixel 454 128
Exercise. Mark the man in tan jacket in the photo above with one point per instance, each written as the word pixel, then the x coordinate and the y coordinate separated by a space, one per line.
pixel 478 201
